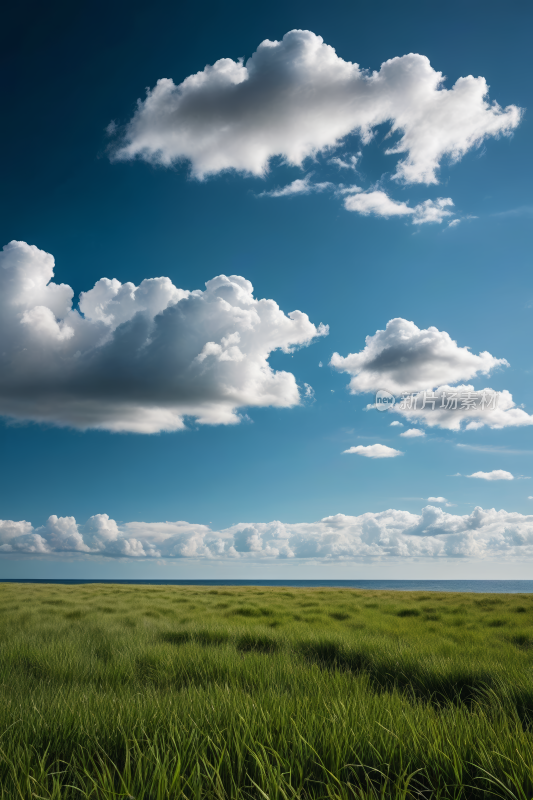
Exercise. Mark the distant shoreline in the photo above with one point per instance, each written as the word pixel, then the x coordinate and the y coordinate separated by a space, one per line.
pixel 477 586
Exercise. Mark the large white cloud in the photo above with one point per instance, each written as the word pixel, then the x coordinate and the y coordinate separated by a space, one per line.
pixel 404 358
pixel 138 358
pixel 432 534
pixel 296 98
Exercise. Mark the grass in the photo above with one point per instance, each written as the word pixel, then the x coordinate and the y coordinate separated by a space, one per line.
pixel 157 693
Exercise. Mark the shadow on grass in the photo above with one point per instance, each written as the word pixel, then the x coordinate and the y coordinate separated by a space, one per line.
pixel 451 685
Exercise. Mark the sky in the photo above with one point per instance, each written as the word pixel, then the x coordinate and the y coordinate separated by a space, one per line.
pixel 226 229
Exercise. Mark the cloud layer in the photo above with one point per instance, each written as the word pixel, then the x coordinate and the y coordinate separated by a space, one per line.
pixel 138 358
pixel 433 534
pixel 404 358
pixel 297 98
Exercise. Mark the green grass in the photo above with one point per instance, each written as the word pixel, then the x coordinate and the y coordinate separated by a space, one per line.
pixel 186 692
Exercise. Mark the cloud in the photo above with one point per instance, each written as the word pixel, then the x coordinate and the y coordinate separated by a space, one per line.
pixel 495 475
pixel 453 407
pixel 381 205
pixel 349 162
pixel 441 501
pixel 297 98
pixel 381 536
pixel 404 358
pixel 299 186
pixel 396 423
pixel 374 451
pixel 488 448
pixel 138 358
pixel 453 223
pixel 413 433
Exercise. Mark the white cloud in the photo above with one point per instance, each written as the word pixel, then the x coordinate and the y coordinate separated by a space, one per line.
pixel 381 205
pixel 391 534
pixel 413 433
pixel 439 500
pixel 297 98
pixel 453 223
pixel 349 162
pixel 404 358
pixel 530 497
pixel 395 424
pixel 453 407
pixel 495 475
pixel 138 358
pixel 374 451
pixel 299 186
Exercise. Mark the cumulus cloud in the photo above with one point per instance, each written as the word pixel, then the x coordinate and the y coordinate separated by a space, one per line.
pixel 456 407
pixel 495 475
pixel 374 451
pixel 380 204
pixel 391 534
pixel 413 433
pixel 297 98
pixel 438 500
pixel 395 424
pixel 405 358
pixel 138 358
pixel 299 186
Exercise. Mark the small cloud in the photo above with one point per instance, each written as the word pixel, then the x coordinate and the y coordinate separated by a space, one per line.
pixel 353 189
pixel 299 186
pixel 454 223
pixel 350 163
pixel 520 211
pixel 380 204
pixel 395 424
pixel 439 500
pixel 495 475
pixel 456 475
pixel 111 128
pixel 320 364
pixel 309 392
pixel 530 497
pixel 374 451
pixel 413 433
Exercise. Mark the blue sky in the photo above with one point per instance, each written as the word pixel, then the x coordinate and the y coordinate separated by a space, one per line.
pixel 68 192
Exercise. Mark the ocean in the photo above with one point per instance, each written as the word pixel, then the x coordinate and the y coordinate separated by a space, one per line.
pixel 496 587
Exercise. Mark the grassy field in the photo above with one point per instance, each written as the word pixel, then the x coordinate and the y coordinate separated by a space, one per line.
pixel 186 692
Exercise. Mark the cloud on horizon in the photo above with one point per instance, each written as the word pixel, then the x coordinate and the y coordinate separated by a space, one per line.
pixel 391 534
pixel 297 98
pixel 139 358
